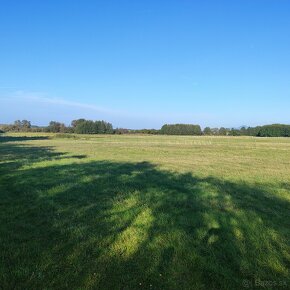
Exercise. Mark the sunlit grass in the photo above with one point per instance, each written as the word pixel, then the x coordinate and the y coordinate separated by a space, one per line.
pixel 143 212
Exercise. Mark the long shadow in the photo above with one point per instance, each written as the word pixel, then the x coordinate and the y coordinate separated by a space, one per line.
pixel 21 138
pixel 13 156
pixel 111 225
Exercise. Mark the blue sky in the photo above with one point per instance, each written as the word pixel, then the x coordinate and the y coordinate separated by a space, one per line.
pixel 140 64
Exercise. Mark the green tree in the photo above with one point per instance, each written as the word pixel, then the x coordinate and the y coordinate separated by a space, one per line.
pixel 234 132
pixel 207 131
pixel 74 123
pixel 215 131
pixel 223 131
pixel 55 127
pixel 275 130
pixel 26 125
pixel 181 129
pixel 17 125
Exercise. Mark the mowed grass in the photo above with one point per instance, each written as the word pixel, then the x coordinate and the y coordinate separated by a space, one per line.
pixel 144 212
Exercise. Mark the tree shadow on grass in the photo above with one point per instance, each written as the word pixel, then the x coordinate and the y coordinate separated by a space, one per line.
pixel 21 138
pixel 110 225
pixel 13 156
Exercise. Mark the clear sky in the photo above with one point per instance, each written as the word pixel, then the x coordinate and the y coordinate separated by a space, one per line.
pixel 140 64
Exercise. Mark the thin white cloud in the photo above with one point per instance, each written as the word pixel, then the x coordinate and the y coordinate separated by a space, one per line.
pixel 41 98
pixel 58 101
pixel 39 108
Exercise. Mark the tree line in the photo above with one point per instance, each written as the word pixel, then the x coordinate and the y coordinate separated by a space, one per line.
pixel 80 126
pixel 181 129
pixel 274 130
pixel 83 126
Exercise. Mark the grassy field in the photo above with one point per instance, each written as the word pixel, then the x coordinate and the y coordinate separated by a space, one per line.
pixel 144 212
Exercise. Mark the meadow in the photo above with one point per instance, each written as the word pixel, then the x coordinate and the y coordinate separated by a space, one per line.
pixel 144 212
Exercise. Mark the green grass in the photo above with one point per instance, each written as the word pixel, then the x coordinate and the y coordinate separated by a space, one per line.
pixel 144 212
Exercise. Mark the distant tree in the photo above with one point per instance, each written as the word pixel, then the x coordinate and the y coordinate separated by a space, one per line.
pixel 145 131
pixel 6 127
pixel 234 132
pixel 100 127
pixel 38 129
pixel 17 125
pixel 69 130
pixel 25 124
pixel 83 126
pixel 243 131
pixel 207 131
pixel 181 129
pixel 121 131
pixel 223 131
pixel 86 127
pixel 253 131
pixel 215 131
pixel 108 128
pixel 275 130
pixel 62 128
pixel 55 127
pixel 74 123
